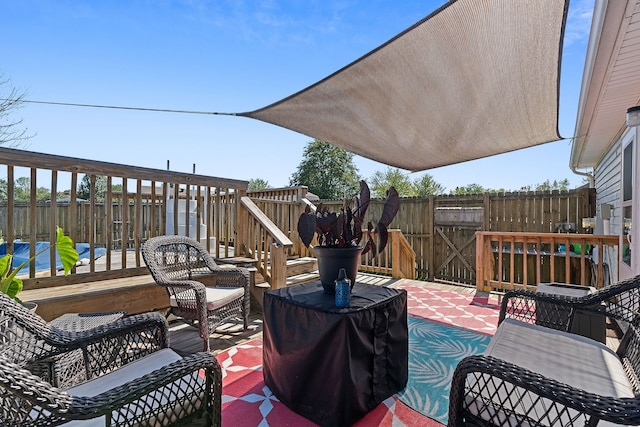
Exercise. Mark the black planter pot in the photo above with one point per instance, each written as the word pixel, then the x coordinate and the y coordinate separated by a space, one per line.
pixel 331 260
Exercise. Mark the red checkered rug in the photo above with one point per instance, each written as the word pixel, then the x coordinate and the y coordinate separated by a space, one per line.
pixel 248 402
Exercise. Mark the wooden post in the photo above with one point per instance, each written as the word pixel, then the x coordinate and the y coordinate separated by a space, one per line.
pixel 480 262
pixel 10 236
pixel 396 271
pixel 137 221
pixel 53 221
pixel 242 224
pixel 278 266
pixel 486 212
pixel 430 212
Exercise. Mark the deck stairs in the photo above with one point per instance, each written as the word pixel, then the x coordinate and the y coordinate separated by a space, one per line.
pixel 299 270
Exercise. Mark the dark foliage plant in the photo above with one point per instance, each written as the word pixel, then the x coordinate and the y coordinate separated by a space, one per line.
pixel 344 229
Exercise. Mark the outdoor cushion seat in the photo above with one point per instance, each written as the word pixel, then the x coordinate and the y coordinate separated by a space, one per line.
pixel 570 359
pixel 216 297
pixel 130 372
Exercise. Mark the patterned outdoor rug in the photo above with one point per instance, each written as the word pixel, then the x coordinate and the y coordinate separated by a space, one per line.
pixel 248 402
pixel 434 352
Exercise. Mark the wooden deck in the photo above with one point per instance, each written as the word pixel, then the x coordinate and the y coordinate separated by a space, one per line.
pixel 184 339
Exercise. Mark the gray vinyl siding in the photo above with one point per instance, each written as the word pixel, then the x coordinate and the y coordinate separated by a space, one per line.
pixel 608 176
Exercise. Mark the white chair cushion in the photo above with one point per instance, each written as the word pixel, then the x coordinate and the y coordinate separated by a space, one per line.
pixel 568 358
pixel 125 374
pixel 216 297
pixel 572 359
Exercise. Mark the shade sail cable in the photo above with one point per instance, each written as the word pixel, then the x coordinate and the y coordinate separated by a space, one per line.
pixel 120 107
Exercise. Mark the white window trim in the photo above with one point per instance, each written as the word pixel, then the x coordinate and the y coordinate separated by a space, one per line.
pixel 627 271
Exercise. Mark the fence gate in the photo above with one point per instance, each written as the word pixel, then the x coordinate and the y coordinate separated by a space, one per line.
pixel 454 257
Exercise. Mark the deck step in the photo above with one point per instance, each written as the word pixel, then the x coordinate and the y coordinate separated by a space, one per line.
pixel 299 266
pixel 302 278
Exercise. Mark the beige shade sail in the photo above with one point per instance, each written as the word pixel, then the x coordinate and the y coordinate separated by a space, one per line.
pixel 473 79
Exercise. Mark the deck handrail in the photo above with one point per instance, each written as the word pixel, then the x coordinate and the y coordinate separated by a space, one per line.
pixel 30 159
pixel 404 257
pixel 265 242
pixel 397 260
pixel 503 263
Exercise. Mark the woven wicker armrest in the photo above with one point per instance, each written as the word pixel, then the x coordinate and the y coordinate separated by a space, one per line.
pixel 146 323
pixel 113 345
pixel 489 391
pixel 235 277
pixel 197 378
pixel 556 310
pixel 620 301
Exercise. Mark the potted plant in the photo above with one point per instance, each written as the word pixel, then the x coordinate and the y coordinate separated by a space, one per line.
pixel 339 234
pixel 11 285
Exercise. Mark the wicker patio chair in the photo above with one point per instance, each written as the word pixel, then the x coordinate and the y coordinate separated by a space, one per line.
pixel 496 391
pixel 200 292
pixel 620 301
pixel 136 379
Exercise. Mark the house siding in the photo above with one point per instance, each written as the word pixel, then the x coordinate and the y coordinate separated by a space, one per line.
pixel 608 176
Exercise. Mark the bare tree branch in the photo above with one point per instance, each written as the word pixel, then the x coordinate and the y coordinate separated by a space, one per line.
pixel 12 132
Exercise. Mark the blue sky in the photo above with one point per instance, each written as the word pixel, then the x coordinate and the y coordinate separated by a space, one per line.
pixel 226 56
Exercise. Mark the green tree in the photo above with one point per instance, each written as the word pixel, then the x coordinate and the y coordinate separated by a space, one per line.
pixel 22 191
pixel 3 189
pixel 12 133
pixel 258 184
pixel 562 185
pixel 84 188
pixel 426 185
pixel 381 181
pixel 327 170
pixel 470 189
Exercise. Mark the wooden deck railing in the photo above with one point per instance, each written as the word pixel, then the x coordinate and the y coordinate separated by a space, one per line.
pixel 283 207
pixel 264 241
pixel 397 260
pixel 507 260
pixel 126 205
pixel 275 214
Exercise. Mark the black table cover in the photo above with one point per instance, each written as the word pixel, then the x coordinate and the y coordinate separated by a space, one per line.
pixel 333 365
